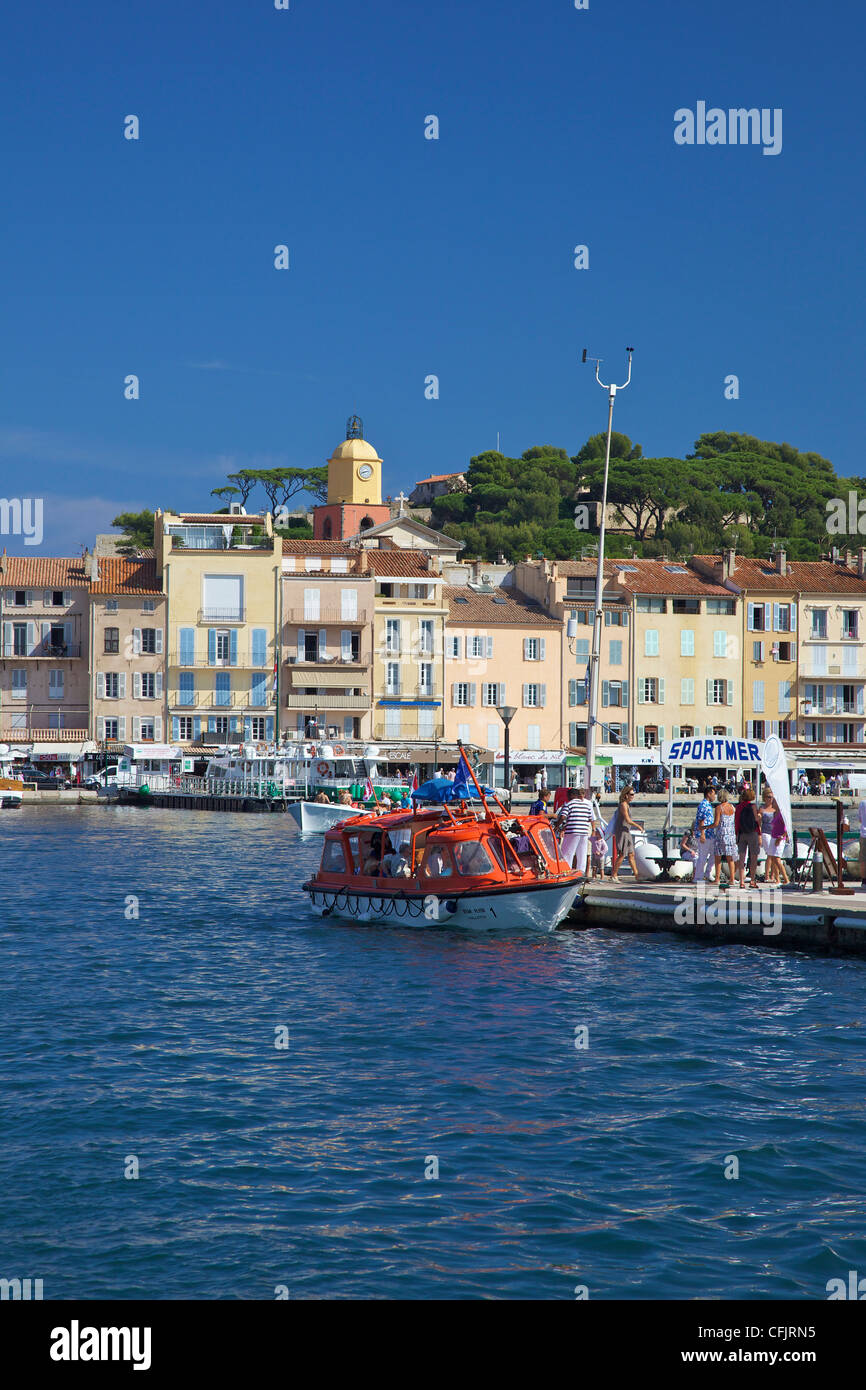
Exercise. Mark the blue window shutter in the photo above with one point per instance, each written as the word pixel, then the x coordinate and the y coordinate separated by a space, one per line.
pixel 196 726
pixel 248 728
pixel 233 724
pixel 269 727
pixel 233 646
pixel 260 646
pixel 605 692
pixel 211 723
pixel 625 694
pixel 211 646
pixel 187 646
pixel 175 728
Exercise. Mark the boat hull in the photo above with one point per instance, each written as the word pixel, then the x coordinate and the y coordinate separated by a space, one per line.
pixel 538 908
pixel 313 817
pixel 10 801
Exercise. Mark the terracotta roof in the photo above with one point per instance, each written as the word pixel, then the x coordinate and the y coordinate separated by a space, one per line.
pixel 803 576
pixel 307 547
pixel 408 564
pixel 44 572
pixel 221 518
pixel 665 577
pixel 438 478
pixel 126 576
pixel 501 608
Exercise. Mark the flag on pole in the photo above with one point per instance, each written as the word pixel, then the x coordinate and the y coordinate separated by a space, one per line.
pixel 415 782
pixel 368 790
pixel 461 779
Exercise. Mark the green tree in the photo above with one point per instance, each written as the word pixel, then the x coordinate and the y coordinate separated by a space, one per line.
pixel 138 531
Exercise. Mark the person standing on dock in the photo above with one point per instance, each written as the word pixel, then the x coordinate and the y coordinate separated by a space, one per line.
pixel 576 823
pixel 725 836
pixel 623 838
pixel 748 836
pixel 704 819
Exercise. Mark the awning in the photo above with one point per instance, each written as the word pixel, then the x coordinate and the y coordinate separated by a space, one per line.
pixel 61 752
pixel 531 755
pixel 138 751
pixel 336 678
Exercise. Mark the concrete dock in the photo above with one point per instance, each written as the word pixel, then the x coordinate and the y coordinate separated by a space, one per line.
pixel 791 918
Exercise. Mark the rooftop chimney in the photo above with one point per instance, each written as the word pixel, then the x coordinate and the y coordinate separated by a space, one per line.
pixel 781 562
pixel 3 562
pixel 729 563
pixel 94 568
pixel 861 562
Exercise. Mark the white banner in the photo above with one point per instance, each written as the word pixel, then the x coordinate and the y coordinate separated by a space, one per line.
pixel 712 752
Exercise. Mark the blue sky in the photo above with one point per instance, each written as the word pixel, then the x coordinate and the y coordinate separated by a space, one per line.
pixel 412 256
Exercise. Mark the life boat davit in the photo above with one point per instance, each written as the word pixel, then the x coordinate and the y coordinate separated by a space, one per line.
pixel 449 863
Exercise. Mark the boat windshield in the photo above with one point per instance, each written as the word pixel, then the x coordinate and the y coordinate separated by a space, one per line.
pixel 472 858
pixel 545 838
pixel 333 859
pixel 437 862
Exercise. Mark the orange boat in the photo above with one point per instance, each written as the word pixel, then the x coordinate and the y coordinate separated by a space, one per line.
pixel 450 864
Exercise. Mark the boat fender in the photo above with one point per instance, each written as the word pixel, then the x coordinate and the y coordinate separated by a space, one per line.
pixel 450 905
pixel 322 769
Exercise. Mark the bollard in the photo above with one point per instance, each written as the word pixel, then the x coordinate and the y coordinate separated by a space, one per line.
pixel 818 873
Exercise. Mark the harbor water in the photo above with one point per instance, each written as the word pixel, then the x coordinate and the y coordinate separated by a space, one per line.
pixel 349 1111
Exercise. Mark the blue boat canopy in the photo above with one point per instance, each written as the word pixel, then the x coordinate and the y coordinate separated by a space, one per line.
pixel 441 789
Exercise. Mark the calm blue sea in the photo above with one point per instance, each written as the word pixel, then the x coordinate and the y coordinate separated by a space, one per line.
pixel 305 1167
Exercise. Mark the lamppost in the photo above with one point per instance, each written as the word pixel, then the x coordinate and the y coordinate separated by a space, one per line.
pixel 599 574
pixel 506 714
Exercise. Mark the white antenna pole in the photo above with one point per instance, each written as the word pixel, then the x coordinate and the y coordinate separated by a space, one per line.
pixel 595 658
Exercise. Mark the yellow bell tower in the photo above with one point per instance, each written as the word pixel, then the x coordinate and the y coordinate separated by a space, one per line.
pixel 355 470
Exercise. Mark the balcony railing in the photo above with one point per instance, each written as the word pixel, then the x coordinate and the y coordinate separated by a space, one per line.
pixel 44 651
pixel 317 702
pixel 297 616
pixel 210 700
pixel 360 663
pixel 8 735
pixel 222 615
pixel 244 660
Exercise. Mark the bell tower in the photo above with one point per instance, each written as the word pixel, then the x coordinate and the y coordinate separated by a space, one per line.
pixel 354 488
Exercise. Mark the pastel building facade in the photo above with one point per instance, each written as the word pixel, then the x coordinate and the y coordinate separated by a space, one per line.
pixel 326 635
pixel 128 653
pixel 221 578
pixel 408 647
pixel 44 692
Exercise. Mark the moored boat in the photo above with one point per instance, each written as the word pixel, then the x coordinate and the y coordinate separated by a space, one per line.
pixel 11 793
pixel 449 864
pixel 316 816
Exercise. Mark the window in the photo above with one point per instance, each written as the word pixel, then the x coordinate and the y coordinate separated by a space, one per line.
pixel 312 562
pixel 758 727
pixel 687 694
pixel 614 693
pixel 425 678
pixel 476 646
pixel 148 605
pixel 186 688
pixel 311 647
pixel 19 685
pixel 57 598
pixel 533 737
pixel 348 604
pixel 720 643
pixel 112 685
pixel 614 653
pixel 684 605
pixel 392 677
pixel 785 652
pixel 850 623
pixel 452 647
pixel 148 639
pixel 577 692
pixel 615 618
pixel 581 650
pixel 111 605
pixel 258 728
pixel 757 651
pixel 148 685
pixel 112 639
pixel 55 685
pixel 650 736
pixel 576 735
pixel 644 604
pixel 721 607
pixel 17 721
pixel 421 591
pixel 648 690
pixel 460 693
pixel 20 599
pixel 785 728
pixel 222 688
pixel 110 728
pixel 758 615
pixel 783 617
pixel 223 597
pixel 472 858
pixel 584 616
pixel 19 640
pixel 533 648
pixel 392 636
pixel 819 624
pixel 651 642
pixel 185 726
pixel 490 694
pixel 464 732
pixel 426 722
pixel 531 697
pixel 333 858
pixel 687 641
pixel 717 692
pixel 687 731
pixel 758 696
pixel 311 605
pixel 393 723
pixel 493 732
pixel 425 637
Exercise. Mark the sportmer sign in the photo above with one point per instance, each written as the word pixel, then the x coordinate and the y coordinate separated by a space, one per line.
pixel 712 752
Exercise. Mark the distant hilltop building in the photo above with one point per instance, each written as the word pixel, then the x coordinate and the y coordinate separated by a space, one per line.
pixel 436 485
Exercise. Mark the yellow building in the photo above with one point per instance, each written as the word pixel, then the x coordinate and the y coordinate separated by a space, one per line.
pixel 502 649
pixel 354 489
pixel 408 647
pixel 221 577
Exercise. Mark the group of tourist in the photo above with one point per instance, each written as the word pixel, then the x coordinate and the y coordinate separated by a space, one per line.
pixel 733 835
pixel 578 823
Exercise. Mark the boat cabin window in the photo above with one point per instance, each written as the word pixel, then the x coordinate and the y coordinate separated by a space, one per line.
pixel 333 859
pixel 472 858
pixel 545 839
pixel 437 862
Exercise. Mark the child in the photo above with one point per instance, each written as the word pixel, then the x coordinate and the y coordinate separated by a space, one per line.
pixel 598 846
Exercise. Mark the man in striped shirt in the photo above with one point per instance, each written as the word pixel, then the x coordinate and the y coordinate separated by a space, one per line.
pixel 575 820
